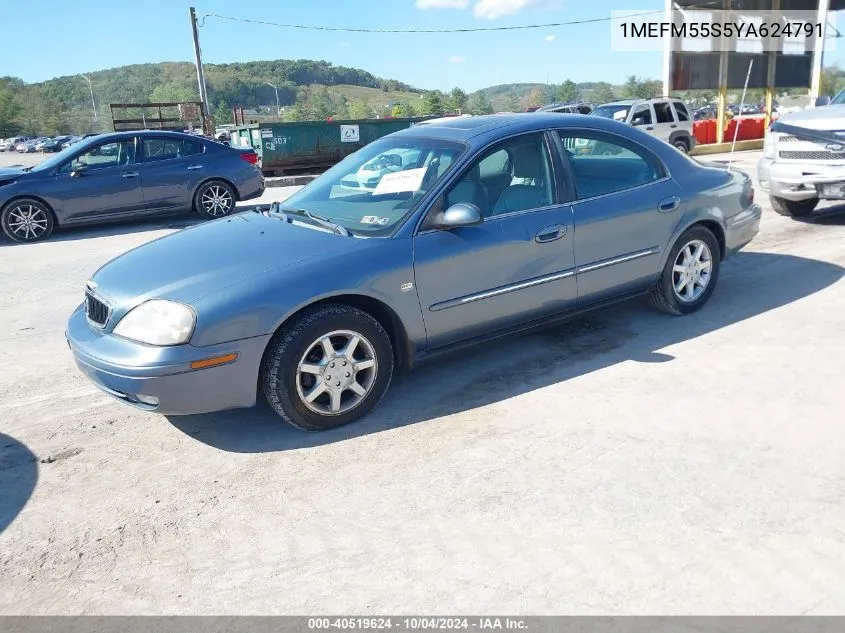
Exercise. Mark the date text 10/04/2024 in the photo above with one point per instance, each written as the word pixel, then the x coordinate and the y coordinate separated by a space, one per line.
pixel 417 623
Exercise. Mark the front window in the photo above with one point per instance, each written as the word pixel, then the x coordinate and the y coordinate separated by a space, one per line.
pixel 610 111
pixel 514 176
pixel 102 156
pixel 371 191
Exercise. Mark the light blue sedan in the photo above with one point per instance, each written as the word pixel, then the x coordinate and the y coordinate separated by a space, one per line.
pixel 490 225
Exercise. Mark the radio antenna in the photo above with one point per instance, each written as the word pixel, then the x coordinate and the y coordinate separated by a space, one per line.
pixel 741 104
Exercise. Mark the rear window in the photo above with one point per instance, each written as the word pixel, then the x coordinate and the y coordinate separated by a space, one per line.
pixel 681 109
pixel 663 112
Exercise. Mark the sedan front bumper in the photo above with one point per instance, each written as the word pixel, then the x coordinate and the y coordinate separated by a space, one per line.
pixel 161 379
pixel 799 181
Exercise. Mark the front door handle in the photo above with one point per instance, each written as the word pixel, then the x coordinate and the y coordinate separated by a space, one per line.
pixel 550 233
pixel 130 174
pixel 650 127
pixel 669 204
pixel 192 167
pixel 674 125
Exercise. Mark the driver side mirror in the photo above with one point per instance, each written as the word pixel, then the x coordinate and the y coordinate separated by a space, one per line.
pixel 638 121
pixel 77 170
pixel 458 215
pixel 823 101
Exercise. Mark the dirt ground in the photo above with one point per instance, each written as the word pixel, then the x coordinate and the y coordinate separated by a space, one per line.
pixel 624 463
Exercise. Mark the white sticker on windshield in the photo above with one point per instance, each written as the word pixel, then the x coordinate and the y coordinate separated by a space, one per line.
pixel 374 219
pixel 619 115
pixel 400 181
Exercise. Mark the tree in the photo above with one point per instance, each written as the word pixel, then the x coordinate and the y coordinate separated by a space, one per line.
pixel 458 100
pixel 403 110
pixel 831 81
pixel 359 110
pixel 222 114
pixel 511 103
pixel 9 111
pixel 603 93
pixel 480 104
pixel 568 91
pixel 533 99
pixel 636 88
pixel 294 113
pixel 169 93
pixel 433 104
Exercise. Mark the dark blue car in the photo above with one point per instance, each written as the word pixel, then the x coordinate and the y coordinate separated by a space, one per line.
pixel 481 226
pixel 126 175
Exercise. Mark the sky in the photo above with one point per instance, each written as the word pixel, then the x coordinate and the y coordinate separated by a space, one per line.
pixel 77 37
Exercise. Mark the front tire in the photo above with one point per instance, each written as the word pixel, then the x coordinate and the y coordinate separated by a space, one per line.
pixel 27 220
pixel 793 208
pixel 690 273
pixel 330 366
pixel 214 199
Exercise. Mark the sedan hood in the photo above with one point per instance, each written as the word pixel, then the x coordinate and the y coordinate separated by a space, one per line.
pixel 10 173
pixel 208 257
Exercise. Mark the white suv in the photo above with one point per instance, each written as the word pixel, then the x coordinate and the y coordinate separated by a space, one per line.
pixel 667 119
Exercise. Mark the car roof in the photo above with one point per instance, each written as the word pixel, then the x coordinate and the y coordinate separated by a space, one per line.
pixel 465 129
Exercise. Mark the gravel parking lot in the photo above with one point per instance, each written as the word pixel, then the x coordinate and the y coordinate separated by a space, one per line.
pixel 624 463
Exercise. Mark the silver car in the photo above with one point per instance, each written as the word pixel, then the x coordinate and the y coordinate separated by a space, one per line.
pixel 492 228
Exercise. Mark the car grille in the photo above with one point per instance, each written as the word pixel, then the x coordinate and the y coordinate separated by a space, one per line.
pixel 822 154
pixel 794 148
pixel 96 311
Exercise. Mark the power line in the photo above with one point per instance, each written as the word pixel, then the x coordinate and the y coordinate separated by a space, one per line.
pixel 311 27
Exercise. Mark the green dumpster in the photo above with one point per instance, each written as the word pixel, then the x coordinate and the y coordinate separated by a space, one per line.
pixel 315 145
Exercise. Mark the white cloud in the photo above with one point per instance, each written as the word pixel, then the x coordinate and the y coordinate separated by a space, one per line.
pixel 492 9
pixel 456 59
pixel 442 4
pixel 549 38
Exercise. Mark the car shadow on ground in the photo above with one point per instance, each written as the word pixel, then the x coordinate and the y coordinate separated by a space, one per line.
pixel 751 284
pixel 110 229
pixel 829 216
pixel 18 476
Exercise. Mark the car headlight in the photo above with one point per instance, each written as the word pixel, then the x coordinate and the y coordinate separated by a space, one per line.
pixel 158 322
pixel 769 144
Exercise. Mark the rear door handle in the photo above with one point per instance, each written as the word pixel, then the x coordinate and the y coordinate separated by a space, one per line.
pixel 192 167
pixel 550 233
pixel 674 125
pixel 669 204
pixel 130 174
pixel 650 127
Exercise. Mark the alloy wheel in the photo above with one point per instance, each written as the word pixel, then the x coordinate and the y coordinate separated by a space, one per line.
pixel 216 200
pixel 692 271
pixel 336 372
pixel 28 221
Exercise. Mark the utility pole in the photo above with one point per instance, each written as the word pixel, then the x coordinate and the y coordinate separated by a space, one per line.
pixel 274 87
pixel 93 105
pixel 198 55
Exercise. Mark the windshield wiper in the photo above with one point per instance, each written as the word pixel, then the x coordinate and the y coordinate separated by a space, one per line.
pixel 317 219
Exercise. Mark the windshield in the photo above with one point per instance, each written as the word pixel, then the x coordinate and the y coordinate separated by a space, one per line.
pixel 57 159
pixel 839 99
pixel 373 190
pixel 615 112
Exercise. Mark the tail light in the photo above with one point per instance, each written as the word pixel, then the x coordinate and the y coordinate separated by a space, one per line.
pixel 250 157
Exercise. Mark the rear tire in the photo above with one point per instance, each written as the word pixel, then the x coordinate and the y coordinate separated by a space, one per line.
pixel 27 220
pixel 214 199
pixel 313 375
pixel 682 145
pixel 793 208
pixel 690 273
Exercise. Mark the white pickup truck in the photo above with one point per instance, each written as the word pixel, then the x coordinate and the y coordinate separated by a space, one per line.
pixel 804 158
